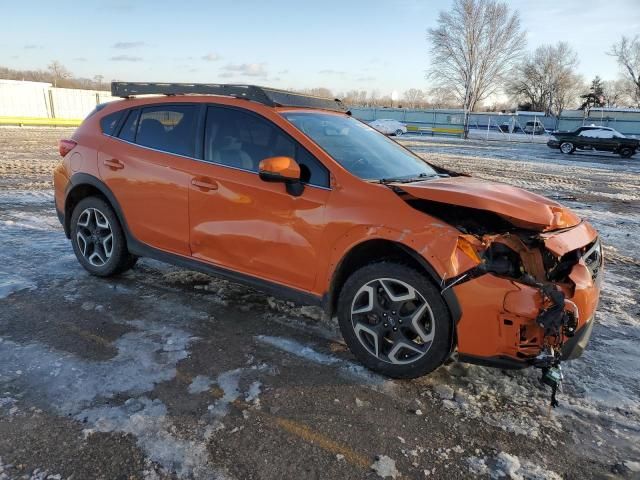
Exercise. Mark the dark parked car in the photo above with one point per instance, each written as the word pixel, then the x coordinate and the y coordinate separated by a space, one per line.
pixel 604 139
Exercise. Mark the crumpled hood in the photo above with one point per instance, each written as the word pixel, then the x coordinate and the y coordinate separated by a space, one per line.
pixel 523 209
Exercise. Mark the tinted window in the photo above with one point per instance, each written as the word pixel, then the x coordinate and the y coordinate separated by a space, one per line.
pixel 108 123
pixel 128 131
pixel 241 140
pixel 170 128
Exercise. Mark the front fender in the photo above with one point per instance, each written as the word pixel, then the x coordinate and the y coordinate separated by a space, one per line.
pixel 435 249
pixel 435 246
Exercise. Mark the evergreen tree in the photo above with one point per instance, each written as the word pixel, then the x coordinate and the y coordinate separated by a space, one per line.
pixel 595 96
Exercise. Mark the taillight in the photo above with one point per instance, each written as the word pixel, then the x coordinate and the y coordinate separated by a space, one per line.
pixel 65 146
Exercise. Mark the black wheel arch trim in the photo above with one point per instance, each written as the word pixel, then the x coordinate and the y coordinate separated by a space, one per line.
pixel 80 179
pixel 141 249
pixel 449 297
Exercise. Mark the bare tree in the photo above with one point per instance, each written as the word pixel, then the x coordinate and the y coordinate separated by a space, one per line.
pixel 98 81
pixel 627 52
pixel 373 98
pixel 355 98
pixel 318 92
pixel 413 98
pixel 620 93
pixel 546 79
pixel 58 72
pixel 440 97
pixel 473 47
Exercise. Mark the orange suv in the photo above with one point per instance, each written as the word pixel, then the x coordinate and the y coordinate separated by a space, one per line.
pixel 289 194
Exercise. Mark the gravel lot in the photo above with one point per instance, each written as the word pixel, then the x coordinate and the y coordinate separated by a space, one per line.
pixel 167 373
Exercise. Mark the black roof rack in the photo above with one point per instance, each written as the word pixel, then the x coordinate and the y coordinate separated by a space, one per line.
pixel 267 96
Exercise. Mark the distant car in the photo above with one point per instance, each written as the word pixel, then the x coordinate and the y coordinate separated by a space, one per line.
pixel 534 128
pixel 505 127
pixel 389 126
pixel 603 139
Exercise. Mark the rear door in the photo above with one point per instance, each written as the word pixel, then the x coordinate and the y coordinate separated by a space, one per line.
pixel 145 165
pixel 245 224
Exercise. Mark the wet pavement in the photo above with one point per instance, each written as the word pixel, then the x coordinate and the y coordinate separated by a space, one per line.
pixel 167 373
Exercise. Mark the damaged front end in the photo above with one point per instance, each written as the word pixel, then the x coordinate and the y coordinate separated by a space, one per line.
pixel 528 291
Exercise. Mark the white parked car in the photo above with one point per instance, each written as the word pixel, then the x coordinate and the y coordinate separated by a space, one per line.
pixel 389 126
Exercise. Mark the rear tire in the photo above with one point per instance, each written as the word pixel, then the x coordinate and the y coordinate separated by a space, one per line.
pixel 394 320
pixel 98 239
pixel 567 147
pixel 626 152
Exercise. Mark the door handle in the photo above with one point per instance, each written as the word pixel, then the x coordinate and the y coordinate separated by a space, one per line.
pixel 114 164
pixel 204 184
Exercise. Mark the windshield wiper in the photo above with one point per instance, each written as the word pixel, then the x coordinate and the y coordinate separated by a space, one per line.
pixel 417 178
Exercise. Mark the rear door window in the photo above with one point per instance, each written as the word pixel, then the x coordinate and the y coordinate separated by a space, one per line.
pixel 169 128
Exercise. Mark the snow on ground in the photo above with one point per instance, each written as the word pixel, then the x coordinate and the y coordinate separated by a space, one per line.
pixel 10 284
pixel 347 368
pixel 600 404
pixel 602 388
pixel 505 465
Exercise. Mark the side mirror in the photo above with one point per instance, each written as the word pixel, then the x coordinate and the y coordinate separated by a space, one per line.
pixel 282 169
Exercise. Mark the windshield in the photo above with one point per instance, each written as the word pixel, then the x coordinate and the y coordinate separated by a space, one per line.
pixel 359 148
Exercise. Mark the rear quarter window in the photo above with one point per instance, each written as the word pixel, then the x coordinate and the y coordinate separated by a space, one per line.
pixel 108 123
pixel 169 128
pixel 128 131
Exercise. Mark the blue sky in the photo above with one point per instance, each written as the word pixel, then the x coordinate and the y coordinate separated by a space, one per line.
pixel 372 45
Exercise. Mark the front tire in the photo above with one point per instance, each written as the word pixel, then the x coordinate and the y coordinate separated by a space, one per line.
pixel 398 132
pixel 394 320
pixel 98 239
pixel 567 147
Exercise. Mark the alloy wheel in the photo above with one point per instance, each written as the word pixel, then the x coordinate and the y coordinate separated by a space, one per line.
pixel 392 320
pixel 94 237
pixel 566 147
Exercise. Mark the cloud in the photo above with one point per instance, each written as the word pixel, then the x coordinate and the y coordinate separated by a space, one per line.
pixel 366 79
pixel 246 69
pixel 126 58
pixel 211 57
pixel 126 45
pixel 32 46
pixel 80 59
pixel 329 71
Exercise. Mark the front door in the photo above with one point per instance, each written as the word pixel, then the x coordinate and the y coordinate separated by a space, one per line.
pixel 247 225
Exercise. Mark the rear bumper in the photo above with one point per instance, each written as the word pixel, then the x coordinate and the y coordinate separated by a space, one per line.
pixel 60 216
pixel 62 220
pixel 553 144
